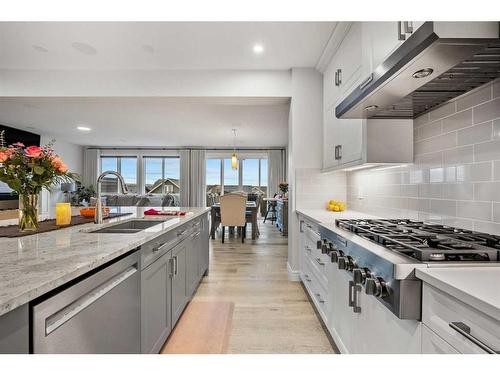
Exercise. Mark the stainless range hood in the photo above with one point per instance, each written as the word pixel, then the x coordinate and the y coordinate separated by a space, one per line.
pixel 424 72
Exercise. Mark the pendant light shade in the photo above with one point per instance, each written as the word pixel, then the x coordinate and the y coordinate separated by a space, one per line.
pixel 234 158
pixel 234 161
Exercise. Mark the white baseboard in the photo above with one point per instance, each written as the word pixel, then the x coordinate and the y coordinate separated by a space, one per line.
pixel 293 275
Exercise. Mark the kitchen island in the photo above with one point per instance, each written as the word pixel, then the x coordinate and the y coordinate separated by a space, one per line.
pixel 35 266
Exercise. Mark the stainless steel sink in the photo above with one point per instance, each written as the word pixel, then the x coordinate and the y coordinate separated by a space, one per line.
pixel 132 226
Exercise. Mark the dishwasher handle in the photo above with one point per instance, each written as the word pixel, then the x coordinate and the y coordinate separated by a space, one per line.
pixel 62 316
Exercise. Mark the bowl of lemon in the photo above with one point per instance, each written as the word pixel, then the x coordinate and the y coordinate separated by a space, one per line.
pixel 336 206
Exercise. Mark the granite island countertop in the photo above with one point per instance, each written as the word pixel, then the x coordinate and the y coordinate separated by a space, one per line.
pixel 33 265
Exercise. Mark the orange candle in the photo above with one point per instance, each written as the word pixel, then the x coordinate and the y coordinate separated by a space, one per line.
pixel 63 213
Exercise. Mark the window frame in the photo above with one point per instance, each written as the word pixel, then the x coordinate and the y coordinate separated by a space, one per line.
pixel 162 157
pixel 119 166
pixel 240 168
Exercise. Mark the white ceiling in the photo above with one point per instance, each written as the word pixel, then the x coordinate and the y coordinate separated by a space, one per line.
pixel 161 45
pixel 260 122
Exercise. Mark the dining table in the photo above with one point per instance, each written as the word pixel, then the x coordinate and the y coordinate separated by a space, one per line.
pixel 215 215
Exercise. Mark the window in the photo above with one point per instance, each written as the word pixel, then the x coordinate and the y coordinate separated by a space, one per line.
pixel 161 174
pixel 221 178
pixel 231 177
pixel 213 178
pixel 126 166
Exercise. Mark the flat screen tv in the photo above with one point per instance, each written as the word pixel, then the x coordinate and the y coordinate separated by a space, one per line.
pixel 11 135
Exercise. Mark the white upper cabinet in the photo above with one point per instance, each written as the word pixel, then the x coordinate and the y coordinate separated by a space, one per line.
pixel 351 142
pixel 380 39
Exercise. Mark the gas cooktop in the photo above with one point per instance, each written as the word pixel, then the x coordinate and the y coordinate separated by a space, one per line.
pixel 426 242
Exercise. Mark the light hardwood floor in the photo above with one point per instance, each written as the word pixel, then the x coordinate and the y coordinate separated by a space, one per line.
pixel 268 313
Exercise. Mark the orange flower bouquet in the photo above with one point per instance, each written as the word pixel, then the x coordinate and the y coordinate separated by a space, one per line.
pixel 27 170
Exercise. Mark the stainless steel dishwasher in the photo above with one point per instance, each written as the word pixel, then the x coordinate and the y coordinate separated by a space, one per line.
pixel 99 314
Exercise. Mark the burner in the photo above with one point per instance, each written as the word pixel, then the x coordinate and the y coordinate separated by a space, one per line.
pixel 425 241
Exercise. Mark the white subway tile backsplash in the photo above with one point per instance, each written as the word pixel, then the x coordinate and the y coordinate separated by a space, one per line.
pixel 496 212
pixel 496 129
pixel 430 191
pixel 455 178
pixel 496 90
pixel 457 121
pixel 443 111
pixel 439 143
pixel 475 134
pixel 429 130
pixel 444 207
pixel 463 191
pixel 459 155
pixel 487 151
pixel 474 210
pixel 487 111
pixel 475 98
pixel 487 191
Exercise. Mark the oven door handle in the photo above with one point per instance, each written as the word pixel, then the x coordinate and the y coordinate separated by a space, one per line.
pixel 465 331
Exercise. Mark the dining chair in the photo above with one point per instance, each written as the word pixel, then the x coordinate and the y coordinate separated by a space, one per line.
pixel 271 211
pixel 232 212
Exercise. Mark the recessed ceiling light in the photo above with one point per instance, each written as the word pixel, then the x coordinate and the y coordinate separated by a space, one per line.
pixel 83 128
pixel 85 48
pixel 40 48
pixel 258 49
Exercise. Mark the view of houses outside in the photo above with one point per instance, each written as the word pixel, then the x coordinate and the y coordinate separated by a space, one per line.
pixel 221 178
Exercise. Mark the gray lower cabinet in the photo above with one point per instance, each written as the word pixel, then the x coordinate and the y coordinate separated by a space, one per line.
pixel 203 248
pixel 156 304
pixel 179 290
pixel 14 331
pixel 192 263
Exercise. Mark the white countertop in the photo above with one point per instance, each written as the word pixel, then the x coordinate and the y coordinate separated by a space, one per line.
pixel 474 286
pixel 33 265
pixel 328 217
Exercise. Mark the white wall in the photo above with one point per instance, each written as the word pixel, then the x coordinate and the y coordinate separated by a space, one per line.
pixel 72 155
pixel 146 83
pixel 304 145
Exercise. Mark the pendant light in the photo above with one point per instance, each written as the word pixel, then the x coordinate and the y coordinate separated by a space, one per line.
pixel 234 158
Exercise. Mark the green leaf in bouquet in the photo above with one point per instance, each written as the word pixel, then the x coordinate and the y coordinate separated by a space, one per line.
pixel 38 169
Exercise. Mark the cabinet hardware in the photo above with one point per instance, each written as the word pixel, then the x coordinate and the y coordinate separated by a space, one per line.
pixel 339 75
pixel 318 260
pixel 308 248
pixel 408 27
pixel 353 291
pixel 301 226
pixel 401 35
pixel 175 265
pixel 181 233
pixel 56 320
pixel 338 152
pixel 366 81
pixel 319 298
pixel 465 331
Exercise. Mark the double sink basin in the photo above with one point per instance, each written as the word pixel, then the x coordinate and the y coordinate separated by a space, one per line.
pixel 132 226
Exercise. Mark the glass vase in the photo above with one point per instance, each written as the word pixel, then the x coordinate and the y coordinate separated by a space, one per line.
pixel 28 212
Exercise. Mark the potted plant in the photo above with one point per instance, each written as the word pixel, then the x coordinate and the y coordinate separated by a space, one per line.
pixel 283 186
pixel 82 194
pixel 27 170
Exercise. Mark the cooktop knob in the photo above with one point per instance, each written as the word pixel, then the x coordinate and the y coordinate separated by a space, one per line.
pixel 342 262
pixel 376 286
pixel 324 247
pixel 359 275
pixel 351 264
pixel 320 243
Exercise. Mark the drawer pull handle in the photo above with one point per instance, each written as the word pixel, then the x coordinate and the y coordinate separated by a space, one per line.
pixel 318 260
pixel 307 278
pixel 465 330
pixel 319 298
pixel 308 248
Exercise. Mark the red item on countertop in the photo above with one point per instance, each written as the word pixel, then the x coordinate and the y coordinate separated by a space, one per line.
pixel 152 212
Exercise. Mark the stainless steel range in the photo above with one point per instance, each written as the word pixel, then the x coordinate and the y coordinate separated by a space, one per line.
pixel 382 255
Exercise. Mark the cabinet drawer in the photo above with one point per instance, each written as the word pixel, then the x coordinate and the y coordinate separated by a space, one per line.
pixel 433 344
pixel 317 292
pixel 317 264
pixel 440 310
